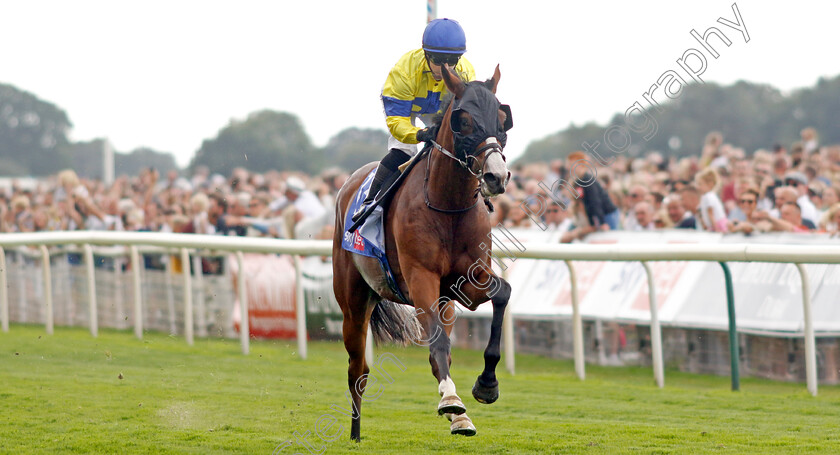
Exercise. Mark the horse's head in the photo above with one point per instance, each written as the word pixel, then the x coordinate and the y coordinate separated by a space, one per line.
pixel 479 123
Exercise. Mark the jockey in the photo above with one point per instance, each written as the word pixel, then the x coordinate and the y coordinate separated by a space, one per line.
pixel 413 89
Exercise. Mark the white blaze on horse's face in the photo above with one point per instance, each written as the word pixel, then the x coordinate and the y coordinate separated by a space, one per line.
pixel 495 174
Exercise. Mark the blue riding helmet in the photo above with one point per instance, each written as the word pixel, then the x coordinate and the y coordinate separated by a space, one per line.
pixel 444 36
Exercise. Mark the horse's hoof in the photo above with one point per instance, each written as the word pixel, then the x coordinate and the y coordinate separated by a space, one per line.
pixel 486 395
pixel 462 425
pixel 451 405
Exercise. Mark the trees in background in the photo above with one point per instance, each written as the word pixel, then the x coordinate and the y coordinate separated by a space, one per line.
pixel 265 140
pixel 34 142
pixel 751 116
pixel 33 134
pixel 354 147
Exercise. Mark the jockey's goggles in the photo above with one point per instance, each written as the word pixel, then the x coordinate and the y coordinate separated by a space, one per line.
pixel 441 59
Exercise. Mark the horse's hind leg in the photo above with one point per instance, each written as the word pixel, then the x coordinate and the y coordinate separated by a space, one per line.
pixel 486 388
pixel 355 337
pixel 354 298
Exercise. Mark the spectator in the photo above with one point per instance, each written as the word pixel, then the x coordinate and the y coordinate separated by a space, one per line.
pixel 830 222
pixel 792 213
pixel 557 219
pixel 763 171
pixel 69 184
pixel 799 182
pixel 815 195
pixel 741 171
pixel 580 224
pixel 712 215
pixel 691 202
pixel 200 221
pixel 678 216
pixel 790 219
pixel 643 212
pixel 110 214
pixel 216 211
pixel 638 193
pixel 809 140
pixel 830 196
pixel 600 210
pixel 711 148
pixel 661 220
pixel 780 167
pixel 747 201
pixel 519 218
pixel 304 214
pixel 19 218
pixel 781 195
pixel 232 221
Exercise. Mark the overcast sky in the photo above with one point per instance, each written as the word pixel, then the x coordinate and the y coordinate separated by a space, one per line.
pixel 169 74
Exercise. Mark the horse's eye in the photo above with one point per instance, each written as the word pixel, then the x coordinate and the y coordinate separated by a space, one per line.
pixel 465 125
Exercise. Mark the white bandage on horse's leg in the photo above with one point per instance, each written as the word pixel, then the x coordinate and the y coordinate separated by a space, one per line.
pixel 446 388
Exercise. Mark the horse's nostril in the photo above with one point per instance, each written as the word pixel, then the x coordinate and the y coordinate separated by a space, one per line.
pixel 491 179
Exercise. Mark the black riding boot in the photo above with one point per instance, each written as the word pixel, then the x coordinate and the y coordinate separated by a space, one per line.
pixel 386 175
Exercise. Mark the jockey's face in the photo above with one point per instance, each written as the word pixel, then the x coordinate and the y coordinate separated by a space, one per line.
pixel 435 69
pixel 436 61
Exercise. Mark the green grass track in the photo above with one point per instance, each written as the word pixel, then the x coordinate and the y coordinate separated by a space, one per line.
pixel 72 393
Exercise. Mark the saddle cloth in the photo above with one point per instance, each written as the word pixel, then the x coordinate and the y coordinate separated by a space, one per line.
pixel 369 239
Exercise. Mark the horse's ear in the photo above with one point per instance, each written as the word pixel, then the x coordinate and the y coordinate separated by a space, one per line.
pixel 453 83
pixel 494 81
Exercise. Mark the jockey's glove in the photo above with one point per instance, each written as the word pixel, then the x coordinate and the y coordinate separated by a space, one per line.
pixel 426 135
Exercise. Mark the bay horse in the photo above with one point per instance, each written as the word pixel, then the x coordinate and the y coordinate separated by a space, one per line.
pixel 437 242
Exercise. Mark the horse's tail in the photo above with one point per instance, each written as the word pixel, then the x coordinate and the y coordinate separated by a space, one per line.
pixel 394 323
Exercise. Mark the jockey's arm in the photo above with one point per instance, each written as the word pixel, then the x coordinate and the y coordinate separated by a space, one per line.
pixel 402 129
pixel 398 99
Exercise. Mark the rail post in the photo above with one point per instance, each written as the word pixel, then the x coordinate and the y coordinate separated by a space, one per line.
pixel 577 325
pixel 199 295
pixel 300 308
pixel 810 341
pixel 188 303
pixel 655 330
pixel 4 293
pixel 91 287
pixel 48 300
pixel 734 348
pixel 507 334
pixel 138 292
pixel 244 329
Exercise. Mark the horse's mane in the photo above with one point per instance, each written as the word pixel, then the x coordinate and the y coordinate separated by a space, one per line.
pixel 444 106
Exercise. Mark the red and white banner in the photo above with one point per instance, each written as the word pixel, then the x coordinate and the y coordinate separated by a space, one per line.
pixel 270 285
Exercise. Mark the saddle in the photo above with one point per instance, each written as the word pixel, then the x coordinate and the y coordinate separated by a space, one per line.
pixel 385 195
pixel 367 235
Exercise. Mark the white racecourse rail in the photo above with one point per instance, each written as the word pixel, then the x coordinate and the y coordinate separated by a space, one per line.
pixel 183 243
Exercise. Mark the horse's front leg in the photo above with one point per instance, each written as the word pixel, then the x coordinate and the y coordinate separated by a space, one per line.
pixel 486 388
pixel 424 287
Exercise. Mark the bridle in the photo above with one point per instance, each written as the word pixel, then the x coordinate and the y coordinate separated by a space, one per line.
pixel 493 146
pixel 490 147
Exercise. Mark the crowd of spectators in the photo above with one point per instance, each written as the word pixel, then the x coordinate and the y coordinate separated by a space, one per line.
pixel 283 205
pixel 720 189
